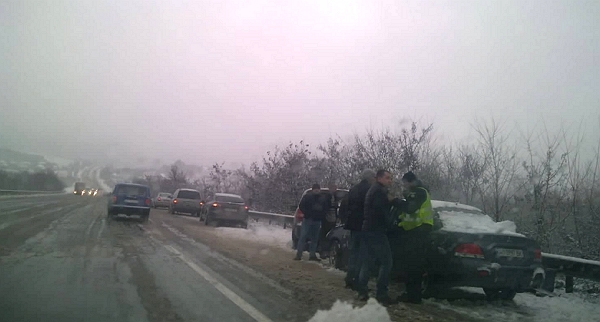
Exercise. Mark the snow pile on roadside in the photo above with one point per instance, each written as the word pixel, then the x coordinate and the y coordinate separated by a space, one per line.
pixel 528 307
pixel 256 232
pixel 345 312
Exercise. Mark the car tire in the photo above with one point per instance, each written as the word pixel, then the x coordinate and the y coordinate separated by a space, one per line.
pixel 171 211
pixel 428 287
pixel 244 224
pixel 207 220
pixel 336 255
pixel 505 294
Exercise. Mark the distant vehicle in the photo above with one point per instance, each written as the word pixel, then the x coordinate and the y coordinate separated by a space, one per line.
pixel 186 201
pixel 79 188
pixel 225 207
pixel 299 216
pixel 163 199
pixel 468 249
pixel 130 199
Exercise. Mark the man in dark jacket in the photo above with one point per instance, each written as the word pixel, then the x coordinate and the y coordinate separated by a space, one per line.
pixel 353 223
pixel 314 205
pixel 374 243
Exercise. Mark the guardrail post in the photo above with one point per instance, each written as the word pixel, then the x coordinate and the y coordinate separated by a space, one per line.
pixel 549 280
pixel 569 284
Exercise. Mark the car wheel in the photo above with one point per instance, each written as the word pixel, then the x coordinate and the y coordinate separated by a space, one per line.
pixel 336 255
pixel 493 294
pixel 428 287
pixel 207 220
pixel 171 211
pixel 244 224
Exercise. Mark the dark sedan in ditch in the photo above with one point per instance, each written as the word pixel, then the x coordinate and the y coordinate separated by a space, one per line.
pixel 467 248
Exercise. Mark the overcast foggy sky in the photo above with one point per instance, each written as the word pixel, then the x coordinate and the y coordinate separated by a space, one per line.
pixel 210 81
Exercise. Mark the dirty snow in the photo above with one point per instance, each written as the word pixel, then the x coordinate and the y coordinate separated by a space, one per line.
pixel 345 312
pixel 258 232
pixel 526 307
pixel 455 205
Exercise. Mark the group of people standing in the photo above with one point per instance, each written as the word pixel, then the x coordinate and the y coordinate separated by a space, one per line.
pixel 385 230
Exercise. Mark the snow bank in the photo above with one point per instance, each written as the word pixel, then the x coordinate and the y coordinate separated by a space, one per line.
pixel 257 232
pixel 345 312
pixel 526 307
pixel 466 219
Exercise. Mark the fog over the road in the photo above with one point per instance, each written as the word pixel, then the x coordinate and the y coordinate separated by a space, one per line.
pixel 208 81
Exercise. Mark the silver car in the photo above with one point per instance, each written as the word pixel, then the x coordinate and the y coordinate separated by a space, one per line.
pixel 163 199
pixel 225 207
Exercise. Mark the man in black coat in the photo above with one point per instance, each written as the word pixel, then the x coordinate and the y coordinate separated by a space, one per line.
pixel 314 205
pixel 353 223
pixel 374 245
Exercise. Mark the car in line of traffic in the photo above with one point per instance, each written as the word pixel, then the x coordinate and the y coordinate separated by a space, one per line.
pixel 225 208
pixel 467 248
pixel 129 199
pixel 162 200
pixel 186 201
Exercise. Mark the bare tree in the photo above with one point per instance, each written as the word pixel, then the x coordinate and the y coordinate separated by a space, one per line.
pixel 501 166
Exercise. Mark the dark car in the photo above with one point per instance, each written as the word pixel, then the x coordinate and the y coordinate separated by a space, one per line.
pixel 130 199
pixel 225 207
pixel 467 248
pixel 299 216
pixel 186 201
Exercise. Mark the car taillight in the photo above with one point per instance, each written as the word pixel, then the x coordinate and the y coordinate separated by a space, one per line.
pixel 299 215
pixel 148 201
pixel 468 250
pixel 215 205
pixel 114 199
pixel 174 200
pixel 537 254
pixel 246 208
pixel 158 198
pixel 201 203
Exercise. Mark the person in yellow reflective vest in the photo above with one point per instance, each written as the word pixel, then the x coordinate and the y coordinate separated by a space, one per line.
pixel 416 222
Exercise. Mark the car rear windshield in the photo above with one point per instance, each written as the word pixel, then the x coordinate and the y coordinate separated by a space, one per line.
pixel 233 199
pixel 131 190
pixel 186 194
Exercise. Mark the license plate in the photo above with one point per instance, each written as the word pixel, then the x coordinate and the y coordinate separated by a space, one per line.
pixel 230 210
pixel 131 201
pixel 504 252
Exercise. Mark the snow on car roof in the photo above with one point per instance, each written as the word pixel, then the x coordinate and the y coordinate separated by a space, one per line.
pixel 457 217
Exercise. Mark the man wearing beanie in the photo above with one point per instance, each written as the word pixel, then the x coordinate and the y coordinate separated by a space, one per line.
pixel 416 224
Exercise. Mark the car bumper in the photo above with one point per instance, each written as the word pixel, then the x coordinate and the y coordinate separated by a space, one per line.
pixel 479 273
pixel 231 216
pixel 184 209
pixel 161 204
pixel 128 210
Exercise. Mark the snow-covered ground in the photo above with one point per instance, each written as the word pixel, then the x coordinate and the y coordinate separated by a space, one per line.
pixel 260 232
pixel 525 307
pixel 469 301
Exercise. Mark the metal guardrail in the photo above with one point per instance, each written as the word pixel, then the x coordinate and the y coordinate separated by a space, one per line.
pixel 285 220
pixel 28 192
pixel 569 266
